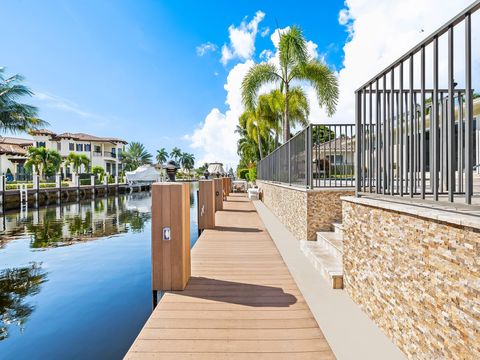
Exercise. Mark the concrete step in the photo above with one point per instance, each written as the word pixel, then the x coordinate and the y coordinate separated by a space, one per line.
pixel 329 266
pixel 338 228
pixel 333 242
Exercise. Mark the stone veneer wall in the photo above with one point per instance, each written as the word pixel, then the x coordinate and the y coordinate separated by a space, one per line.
pixel 417 278
pixel 302 211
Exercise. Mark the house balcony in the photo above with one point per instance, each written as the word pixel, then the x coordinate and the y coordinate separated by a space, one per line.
pixel 110 154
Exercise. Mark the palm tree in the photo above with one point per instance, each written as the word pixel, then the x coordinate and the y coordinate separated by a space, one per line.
pixel 77 160
pixel 295 65
pixel 14 116
pixel 255 126
pixel 43 161
pixel 135 156
pixel 176 154
pixel 162 156
pixel 247 148
pixel 187 161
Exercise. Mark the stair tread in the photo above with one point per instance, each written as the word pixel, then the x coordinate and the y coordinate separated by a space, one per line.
pixel 335 239
pixel 329 262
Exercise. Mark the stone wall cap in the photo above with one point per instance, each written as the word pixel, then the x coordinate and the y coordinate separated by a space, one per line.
pixel 427 210
pixel 304 189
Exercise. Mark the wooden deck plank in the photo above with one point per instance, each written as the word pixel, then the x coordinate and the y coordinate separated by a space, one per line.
pixel 240 303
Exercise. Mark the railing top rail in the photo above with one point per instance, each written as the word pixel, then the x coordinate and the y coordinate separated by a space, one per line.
pixel 442 30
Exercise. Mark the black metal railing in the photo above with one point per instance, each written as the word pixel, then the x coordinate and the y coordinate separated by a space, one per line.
pixel 321 155
pixel 415 120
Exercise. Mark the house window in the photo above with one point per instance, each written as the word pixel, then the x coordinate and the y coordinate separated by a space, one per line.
pixel 88 147
pixel 79 147
pixel 40 144
pixel 71 146
pixel 98 149
pixel 59 146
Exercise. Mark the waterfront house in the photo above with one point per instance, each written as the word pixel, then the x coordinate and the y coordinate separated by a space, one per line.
pixel 102 151
pixel 12 156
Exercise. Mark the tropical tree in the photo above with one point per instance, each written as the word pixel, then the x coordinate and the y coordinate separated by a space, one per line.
pixel 77 160
pixel 294 65
pixel 201 169
pixel 176 154
pixel 135 156
pixel 15 116
pixel 187 161
pixel 162 156
pixel 43 161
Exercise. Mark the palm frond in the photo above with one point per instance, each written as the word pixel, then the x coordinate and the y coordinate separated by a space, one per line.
pixel 258 75
pixel 292 48
pixel 324 81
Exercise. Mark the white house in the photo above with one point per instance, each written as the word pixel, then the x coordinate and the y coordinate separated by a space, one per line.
pixel 102 151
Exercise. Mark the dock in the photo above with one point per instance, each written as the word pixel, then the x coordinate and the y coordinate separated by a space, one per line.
pixel 240 303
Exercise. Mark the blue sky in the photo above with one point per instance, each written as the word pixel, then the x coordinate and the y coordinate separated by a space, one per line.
pixel 130 69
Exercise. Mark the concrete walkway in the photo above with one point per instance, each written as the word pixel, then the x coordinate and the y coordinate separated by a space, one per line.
pixel 349 331
pixel 241 302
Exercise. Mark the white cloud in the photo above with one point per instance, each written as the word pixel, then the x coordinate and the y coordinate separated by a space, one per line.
pixel 57 102
pixel 242 39
pixel 265 31
pixel 215 139
pixel 275 37
pixel 266 54
pixel 380 32
pixel 205 48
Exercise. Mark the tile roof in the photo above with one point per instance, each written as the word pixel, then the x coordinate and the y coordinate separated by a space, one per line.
pixel 12 149
pixel 77 136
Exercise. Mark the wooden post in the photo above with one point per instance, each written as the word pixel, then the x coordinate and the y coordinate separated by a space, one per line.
pixel 206 204
pixel 170 236
pixel 218 194
pixel 2 189
pixel 36 187
pixel 225 188
pixel 58 185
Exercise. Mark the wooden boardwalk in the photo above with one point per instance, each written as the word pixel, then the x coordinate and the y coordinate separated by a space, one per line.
pixel 241 302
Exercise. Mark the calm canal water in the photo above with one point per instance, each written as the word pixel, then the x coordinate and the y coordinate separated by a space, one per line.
pixel 75 280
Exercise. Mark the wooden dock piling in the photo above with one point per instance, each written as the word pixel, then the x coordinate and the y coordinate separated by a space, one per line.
pixel 206 205
pixel 170 236
pixel 218 194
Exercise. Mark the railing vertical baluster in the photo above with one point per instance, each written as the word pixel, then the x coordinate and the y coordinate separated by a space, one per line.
pixel 397 143
pixel 411 116
pixel 434 119
pixel 384 136
pixel 423 152
pixel 401 129
pixel 460 141
pixel 310 158
pixel 392 131
pixel 358 141
pixel 451 119
pixel 289 161
pixel 468 112
pixel 378 141
pixel 370 150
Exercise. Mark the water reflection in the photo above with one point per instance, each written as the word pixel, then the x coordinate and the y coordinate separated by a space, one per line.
pixel 78 222
pixel 89 282
pixel 16 284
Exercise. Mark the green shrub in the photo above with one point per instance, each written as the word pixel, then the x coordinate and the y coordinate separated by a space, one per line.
pixel 252 174
pixel 243 174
